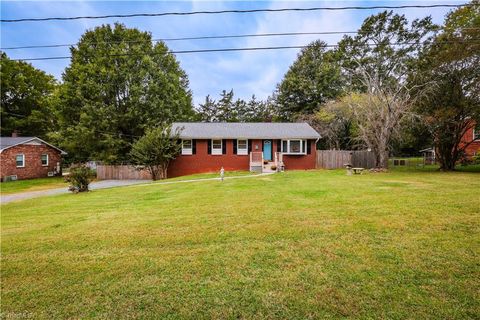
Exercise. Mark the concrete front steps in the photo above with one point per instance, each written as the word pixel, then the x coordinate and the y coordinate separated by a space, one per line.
pixel 267 168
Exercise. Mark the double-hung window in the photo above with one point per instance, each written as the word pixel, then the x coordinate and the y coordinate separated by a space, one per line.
pixel 20 160
pixel 216 146
pixel 44 159
pixel 293 146
pixel 242 147
pixel 187 147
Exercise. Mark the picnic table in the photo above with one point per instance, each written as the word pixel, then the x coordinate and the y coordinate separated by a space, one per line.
pixel 351 170
pixel 358 170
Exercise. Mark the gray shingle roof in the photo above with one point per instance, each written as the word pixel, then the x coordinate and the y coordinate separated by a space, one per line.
pixel 7 142
pixel 233 130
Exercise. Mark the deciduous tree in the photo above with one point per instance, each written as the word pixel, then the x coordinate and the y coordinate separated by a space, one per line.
pixel 334 122
pixel 451 66
pixel 155 150
pixel 377 119
pixel 26 98
pixel 377 62
pixel 313 79
pixel 118 85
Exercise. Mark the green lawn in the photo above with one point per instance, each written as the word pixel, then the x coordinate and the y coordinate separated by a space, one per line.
pixel 295 245
pixel 32 185
pixel 209 175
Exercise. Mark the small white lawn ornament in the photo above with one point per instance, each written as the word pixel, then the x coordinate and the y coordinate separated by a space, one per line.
pixel 222 173
pixel 349 169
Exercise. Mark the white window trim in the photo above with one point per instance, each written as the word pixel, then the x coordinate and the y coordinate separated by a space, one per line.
pixel 302 152
pixel 473 130
pixel 242 152
pixel 217 151
pixel 48 160
pixel 23 160
pixel 187 151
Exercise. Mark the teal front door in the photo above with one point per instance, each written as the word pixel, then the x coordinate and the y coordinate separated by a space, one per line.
pixel 267 150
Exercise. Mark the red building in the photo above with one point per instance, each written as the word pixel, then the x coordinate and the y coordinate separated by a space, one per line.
pixel 472 138
pixel 261 147
pixel 28 158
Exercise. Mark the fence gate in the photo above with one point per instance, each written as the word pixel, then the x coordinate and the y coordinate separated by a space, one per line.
pixel 335 159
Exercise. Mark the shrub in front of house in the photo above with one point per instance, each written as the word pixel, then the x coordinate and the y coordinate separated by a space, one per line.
pixel 79 177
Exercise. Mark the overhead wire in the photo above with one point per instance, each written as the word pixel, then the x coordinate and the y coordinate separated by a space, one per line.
pixel 235 49
pixel 187 38
pixel 161 14
pixel 194 38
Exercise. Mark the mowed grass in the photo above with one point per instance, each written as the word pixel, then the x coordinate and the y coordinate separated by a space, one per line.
pixel 296 245
pixel 58 182
pixel 227 174
pixel 32 185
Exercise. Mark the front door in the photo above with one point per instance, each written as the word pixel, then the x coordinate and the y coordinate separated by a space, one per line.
pixel 267 150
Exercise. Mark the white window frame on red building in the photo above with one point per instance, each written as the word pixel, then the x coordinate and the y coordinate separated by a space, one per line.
pixel 23 160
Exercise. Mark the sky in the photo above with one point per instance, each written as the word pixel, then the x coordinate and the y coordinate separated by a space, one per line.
pixel 247 73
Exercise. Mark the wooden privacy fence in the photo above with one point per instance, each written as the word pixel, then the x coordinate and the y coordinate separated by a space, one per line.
pixel 334 159
pixel 121 172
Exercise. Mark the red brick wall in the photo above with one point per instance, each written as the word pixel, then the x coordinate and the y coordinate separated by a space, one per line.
pixel 301 162
pixel 33 164
pixel 203 162
pixel 474 147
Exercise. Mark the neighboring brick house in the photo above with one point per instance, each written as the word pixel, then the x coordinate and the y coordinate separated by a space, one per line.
pixel 28 158
pixel 472 136
pixel 206 147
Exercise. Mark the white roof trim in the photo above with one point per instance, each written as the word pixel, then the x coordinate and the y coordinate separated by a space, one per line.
pixel 32 139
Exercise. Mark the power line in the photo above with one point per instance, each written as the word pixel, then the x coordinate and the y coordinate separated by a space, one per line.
pixel 238 49
pixel 161 14
pixel 190 38
pixel 195 38
pixel 175 52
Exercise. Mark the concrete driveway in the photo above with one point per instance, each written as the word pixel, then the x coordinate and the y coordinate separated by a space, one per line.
pixel 103 184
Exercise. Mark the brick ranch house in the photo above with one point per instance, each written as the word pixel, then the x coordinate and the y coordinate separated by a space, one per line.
pixel 206 147
pixel 28 158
